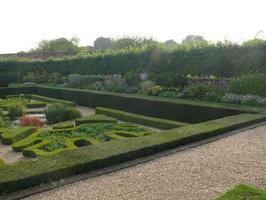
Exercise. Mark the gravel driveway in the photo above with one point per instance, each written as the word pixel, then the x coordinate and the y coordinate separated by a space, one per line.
pixel 200 173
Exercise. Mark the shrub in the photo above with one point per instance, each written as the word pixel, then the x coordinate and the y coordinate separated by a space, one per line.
pixel 132 78
pixel 15 109
pixel 2 123
pixel 203 92
pixel 169 79
pixel 155 91
pixel 27 120
pixel 1 114
pixel 254 84
pixel 58 113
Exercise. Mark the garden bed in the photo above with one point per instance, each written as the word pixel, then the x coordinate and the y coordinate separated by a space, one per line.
pixel 98 141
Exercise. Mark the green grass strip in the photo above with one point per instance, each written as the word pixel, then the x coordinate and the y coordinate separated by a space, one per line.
pixel 244 192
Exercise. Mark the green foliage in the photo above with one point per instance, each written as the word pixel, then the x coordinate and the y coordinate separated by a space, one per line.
pixel 169 79
pixel 1 114
pixel 12 135
pixel 58 112
pixel 15 109
pixel 249 84
pixel 99 118
pixel 2 163
pixel 51 142
pixel 57 45
pixel 241 192
pixel 203 92
pixel 63 125
pixel 155 91
pixel 33 172
pixel 132 78
pixel 139 119
pixel 2 123
pixel 221 59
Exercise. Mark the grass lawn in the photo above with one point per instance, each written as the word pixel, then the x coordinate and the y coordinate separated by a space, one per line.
pixel 244 192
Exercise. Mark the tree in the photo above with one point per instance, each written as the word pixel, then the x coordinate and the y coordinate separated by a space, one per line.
pixel 102 43
pixel 194 41
pixel 57 45
pixel 170 44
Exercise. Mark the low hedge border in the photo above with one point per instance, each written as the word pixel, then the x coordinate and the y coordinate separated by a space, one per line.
pixel 63 125
pixel 243 191
pixel 140 119
pixel 98 118
pixel 10 136
pixel 33 172
pixel 36 104
pixel 43 99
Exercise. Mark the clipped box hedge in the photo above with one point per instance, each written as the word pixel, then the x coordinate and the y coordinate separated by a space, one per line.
pixel 95 119
pixel 33 172
pixel 181 110
pixel 10 136
pixel 140 119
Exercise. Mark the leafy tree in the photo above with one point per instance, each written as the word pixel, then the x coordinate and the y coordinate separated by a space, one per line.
pixel 57 45
pixel 194 41
pixel 102 43
pixel 170 43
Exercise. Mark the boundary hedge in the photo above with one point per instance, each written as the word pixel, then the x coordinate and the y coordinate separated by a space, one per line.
pixel 140 119
pixel 33 172
pixel 187 111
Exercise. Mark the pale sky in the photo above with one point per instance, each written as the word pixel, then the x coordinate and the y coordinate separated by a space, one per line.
pixel 23 23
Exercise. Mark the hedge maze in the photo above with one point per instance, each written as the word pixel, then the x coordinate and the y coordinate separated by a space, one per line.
pixel 125 127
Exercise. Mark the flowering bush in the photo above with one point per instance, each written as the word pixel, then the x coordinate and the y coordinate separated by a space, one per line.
pixel 156 90
pixel 26 120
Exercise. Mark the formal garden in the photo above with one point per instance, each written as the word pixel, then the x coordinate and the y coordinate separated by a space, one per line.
pixel 144 101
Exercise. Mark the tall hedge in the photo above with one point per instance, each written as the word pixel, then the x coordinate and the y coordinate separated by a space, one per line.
pixel 220 60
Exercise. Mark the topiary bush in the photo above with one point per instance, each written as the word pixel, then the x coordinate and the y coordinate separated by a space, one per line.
pixel 58 112
pixel 254 84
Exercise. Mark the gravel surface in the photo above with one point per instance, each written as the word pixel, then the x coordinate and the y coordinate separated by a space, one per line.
pixel 10 156
pixel 200 173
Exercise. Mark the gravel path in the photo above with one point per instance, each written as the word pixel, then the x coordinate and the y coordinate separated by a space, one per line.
pixel 86 111
pixel 200 173
pixel 8 155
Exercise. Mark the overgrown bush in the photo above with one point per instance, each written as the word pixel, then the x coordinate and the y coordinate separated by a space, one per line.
pixel 58 113
pixel 254 84
pixel 132 78
pixel 203 92
pixel 15 109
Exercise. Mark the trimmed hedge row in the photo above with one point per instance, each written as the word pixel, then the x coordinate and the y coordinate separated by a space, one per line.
pixel 172 109
pixel 50 100
pixel 33 172
pixel 95 119
pixel 10 136
pixel 63 125
pixel 140 119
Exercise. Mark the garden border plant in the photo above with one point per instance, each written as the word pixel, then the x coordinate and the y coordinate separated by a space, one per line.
pixel 29 173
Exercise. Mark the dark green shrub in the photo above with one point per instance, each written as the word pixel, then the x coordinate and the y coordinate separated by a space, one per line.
pixel 12 135
pixel 15 109
pixel 169 79
pixel 59 112
pixel 249 84
pixel 132 78
pixel 203 92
